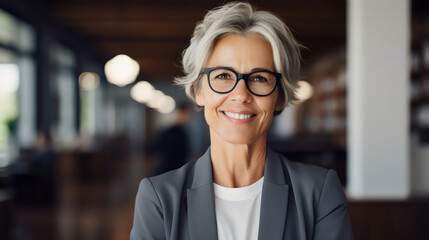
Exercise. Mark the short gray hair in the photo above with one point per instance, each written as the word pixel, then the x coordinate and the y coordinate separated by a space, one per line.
pixel 242 18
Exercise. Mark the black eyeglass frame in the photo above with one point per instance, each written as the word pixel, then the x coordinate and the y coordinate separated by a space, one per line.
pixel 240 76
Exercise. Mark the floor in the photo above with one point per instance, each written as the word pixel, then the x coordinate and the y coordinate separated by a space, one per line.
pixel 85 208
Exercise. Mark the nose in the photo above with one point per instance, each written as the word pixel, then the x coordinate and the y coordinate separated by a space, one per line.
pixel 240 93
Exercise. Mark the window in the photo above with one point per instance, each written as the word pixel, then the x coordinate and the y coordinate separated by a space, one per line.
pixel 17 86
pixel 63 74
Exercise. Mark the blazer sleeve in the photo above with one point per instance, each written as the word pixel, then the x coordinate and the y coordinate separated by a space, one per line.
pixel 332 215
pixel 148 217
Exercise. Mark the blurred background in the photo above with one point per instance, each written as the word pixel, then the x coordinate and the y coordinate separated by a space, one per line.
pixel 88 107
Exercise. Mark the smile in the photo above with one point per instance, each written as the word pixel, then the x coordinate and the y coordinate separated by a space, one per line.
pixel 238 115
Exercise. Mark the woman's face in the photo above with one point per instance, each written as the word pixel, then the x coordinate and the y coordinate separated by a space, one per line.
pixel 244 54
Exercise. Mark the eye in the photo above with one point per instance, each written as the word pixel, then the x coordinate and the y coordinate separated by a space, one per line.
pixel 223 76
pixel 258 78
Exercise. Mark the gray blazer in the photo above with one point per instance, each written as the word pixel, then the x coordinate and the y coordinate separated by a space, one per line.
pixel 299 201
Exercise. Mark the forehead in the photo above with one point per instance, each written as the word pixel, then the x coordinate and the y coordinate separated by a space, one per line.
pixel 240 51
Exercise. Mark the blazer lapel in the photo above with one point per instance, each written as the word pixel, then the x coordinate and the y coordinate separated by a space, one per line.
pixel 200 201
pixel 274 202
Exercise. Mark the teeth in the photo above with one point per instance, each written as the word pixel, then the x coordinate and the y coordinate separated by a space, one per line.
pixel 238 116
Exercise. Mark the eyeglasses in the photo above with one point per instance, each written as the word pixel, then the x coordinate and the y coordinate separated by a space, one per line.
pixel 260 83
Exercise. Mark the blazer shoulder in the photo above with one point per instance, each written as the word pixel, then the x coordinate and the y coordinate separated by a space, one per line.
pixel 158 203
pixel 173 182
pixel 310 178
pixel 304 170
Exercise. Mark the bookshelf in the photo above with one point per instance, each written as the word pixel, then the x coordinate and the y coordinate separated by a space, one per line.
pixel 325 113
pixel 419 122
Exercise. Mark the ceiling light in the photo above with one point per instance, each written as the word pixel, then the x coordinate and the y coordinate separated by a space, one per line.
pixel 167 106
pixel 121 70
pixel 89 81
pixel 142 91
pixel 305 91
pixel 156 99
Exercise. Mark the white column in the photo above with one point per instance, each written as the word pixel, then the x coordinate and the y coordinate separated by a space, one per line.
pixel 378 43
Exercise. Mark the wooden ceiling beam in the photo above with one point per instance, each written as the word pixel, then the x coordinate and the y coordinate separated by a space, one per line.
pixel 182 30
pixel 141 29
pixel 159 68
pixel 103 12
pixel 153 49
pixel 106 12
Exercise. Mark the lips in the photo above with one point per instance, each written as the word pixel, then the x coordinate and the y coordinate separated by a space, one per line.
pixel 239 116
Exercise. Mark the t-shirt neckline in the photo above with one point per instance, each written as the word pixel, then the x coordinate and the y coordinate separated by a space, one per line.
pixel 238 194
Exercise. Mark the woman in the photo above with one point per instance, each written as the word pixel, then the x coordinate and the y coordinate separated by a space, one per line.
pixel 239 189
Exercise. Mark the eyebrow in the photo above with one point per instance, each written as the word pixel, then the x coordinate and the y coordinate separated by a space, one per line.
pixel 251 70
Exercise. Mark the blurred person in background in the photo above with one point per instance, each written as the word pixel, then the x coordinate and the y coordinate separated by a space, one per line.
pixel 34 178
pixel 172 146
pixel 239 189
pixel 44 167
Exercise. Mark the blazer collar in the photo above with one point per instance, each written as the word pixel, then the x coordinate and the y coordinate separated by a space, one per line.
pixel 203 174
pixel 201 205
pixel 274 202
pixel 273 171
pixel 201 202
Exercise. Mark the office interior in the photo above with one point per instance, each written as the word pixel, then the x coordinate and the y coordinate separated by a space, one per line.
pixel 75 142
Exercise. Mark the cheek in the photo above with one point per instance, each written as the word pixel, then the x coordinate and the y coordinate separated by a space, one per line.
pixel 270 103
pixel 210 106
pixel 212 100
pixel 269 108
pixel 267 120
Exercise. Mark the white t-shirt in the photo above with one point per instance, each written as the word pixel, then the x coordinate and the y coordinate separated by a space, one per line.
pixel 238 211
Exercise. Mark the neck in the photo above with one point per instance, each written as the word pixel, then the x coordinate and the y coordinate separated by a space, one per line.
pixel 237 165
